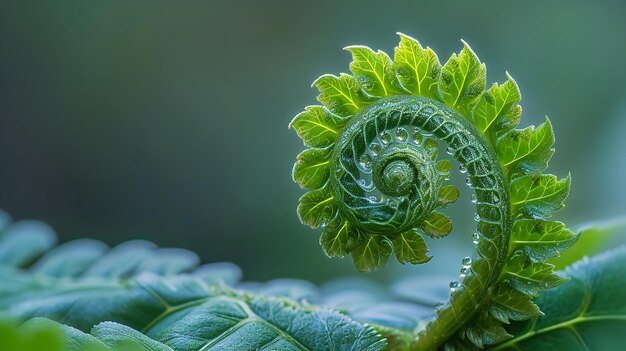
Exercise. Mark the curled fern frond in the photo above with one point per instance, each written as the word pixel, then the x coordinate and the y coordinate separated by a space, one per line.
pixel 376 182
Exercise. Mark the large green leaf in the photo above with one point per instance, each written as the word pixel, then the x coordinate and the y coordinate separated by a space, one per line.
pixel 586 313
pixel 184 313
pixel 137 296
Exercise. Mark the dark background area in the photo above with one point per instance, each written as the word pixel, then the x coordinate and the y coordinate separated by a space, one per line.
pixel 167 120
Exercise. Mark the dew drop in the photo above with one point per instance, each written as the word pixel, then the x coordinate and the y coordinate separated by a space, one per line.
pixel 466 261
pixel 475 238
pixel 462 169
pixel 385 137
pixel 366 161
pixel 417 136
pixel 454 285
pixel 375 149
pixel 464 271
pixel 496 199
pixel 473 198
pixel 450 150
pixel 468 182
pixel 401 134
pixel 373 199
pixel 477 217
pixel 365 185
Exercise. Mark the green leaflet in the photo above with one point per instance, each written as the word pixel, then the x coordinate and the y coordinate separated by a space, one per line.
pixel 586 313
pixel 540 240
pixel 373 71
pixel 530 278
pixel 538 196
pixel 448 194
pixel 444 166
pixel 498 109
pixel 338 238
pixel 317 127
pixel 509 304
pixel 486 331
pixel 462 80
pixel 317 207
pixel 342 95
pixel 372 253
pixel 527 150
pixel 417 68
pixel 312 169
pixel 437 225
pixel 411 247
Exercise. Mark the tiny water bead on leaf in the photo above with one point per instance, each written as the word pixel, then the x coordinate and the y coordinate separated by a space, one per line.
pixel 377 183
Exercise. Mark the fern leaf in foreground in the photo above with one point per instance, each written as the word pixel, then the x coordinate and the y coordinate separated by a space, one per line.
pixel 158 298
pixel 586 313
pixel 185 313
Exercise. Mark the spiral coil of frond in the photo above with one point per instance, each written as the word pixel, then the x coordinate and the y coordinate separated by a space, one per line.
pixel 376 181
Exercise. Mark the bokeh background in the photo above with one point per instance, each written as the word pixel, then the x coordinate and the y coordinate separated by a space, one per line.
pixel 167 120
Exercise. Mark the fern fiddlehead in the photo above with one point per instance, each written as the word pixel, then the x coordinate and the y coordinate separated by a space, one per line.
pixel 376 182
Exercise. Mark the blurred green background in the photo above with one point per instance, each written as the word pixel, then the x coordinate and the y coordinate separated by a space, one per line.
pixel 167 120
